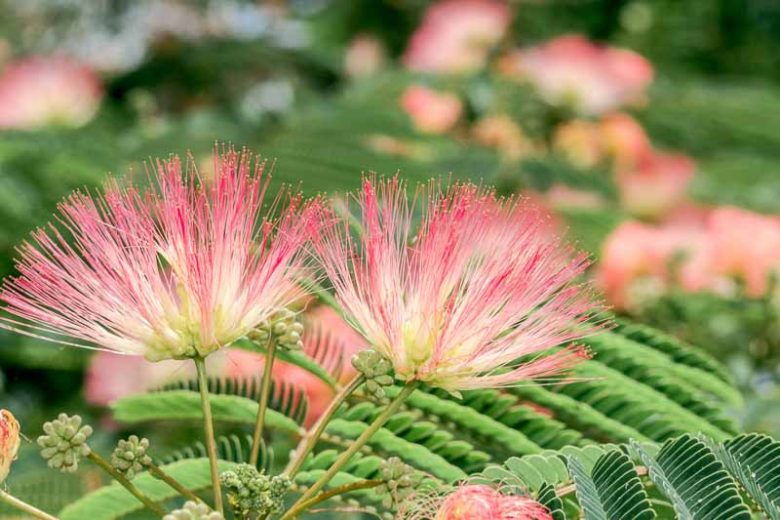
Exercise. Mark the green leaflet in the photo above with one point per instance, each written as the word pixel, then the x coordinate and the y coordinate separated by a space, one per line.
pixel 611 490
pixel 185 405
pixel 754 460
pixel 694 480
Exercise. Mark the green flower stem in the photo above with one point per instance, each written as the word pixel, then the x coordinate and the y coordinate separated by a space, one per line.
pixel 24 506
pixel 265 391
pixel 310 438
pixel 364 437
pixel 322 497
pixel 208 425
pixel 158 473
pixel 137 493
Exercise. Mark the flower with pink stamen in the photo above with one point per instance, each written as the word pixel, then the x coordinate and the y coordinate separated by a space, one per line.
pixel 178 270
pixel 477 502
pixel 477 297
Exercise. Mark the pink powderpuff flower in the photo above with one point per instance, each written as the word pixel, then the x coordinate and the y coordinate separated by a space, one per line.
pixel 177 271
pixel 580 142
pixel 477 502
pixel 364 57
pixel 9 442
pixel 47 91
pixel 658 184
pixel 432 112
pixel 636 261
pixel 457 303
pixel 456 36
pixel 624 140
pixel 742 245
pixel 573 72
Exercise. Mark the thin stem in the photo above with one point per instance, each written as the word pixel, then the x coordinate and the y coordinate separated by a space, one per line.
pixel 156 472
pixel 322 497
pixel 208 426
pixel 310 438
pixel 137 493
pixel 364 437
pixel 24 506
pixel 265 391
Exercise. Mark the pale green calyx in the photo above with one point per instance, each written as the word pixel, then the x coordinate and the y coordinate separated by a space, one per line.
pixel 64 442
pixel 130 457
pixel 193 511
pixel 377 370
pixel 284 327
pixel 252 494
pixel 399 481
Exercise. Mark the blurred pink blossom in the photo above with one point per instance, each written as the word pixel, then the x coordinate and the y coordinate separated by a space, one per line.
pixel 432 112
pixel 656 185
pixel 624 140
pixel 696 249
pixel 42 91
pixel 745 246
pixel 456 36
pixel 580 142
pixel 365 55
pixel 589 78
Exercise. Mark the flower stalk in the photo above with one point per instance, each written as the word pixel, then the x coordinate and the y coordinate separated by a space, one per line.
pixel 265 391
pixel 21 505
pixel 364 437
pixel 322 497
pixel 158 473
pixel 116 475
pixel 208 425
pixel 310 438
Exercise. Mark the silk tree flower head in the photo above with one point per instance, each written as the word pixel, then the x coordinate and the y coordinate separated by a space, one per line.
pixel 432 112
pixel 178 270
pixel 481 284
pixel 588 78
pixel 656 185
pixel 478 502
pixel 47 91
pixel 9 442
pixel 456 36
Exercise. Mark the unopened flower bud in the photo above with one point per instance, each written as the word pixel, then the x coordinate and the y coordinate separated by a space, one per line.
pixel 377 371
pixel 194 511
pixel 130 457
pixel 399 481
pixel 251 492
pixel 284 327
pixel 64 442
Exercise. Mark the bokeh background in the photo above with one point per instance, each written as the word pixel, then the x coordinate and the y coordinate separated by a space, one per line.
pixel 649 129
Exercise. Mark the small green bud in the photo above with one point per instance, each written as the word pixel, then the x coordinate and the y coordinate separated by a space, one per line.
pixel 376 369
pixel 64 442
pixel 250 492
pixel 284 327
pixel 399 481
pixel 193 511
pixel 130 457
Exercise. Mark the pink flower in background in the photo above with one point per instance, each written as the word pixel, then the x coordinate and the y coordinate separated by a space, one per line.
pixel 9 442
pixel 432 112
pixel 743 245
pixel 326 329
pixel 590 79
pixel 481 284
pixel 624 140
pixel 40 91
pixel 580 142
pixel 636 260
pixel 562 196
pixel 456 36
pixel 657 185
pixel 503 134
pixel 178 271
pixel 365 55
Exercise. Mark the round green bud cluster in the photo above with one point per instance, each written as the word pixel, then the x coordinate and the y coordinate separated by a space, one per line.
pixel 193 511
pixel 399 481
pixel 251 493
pixel 64 442
pixel 377 370
pixel 130 458
pixel 284 327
